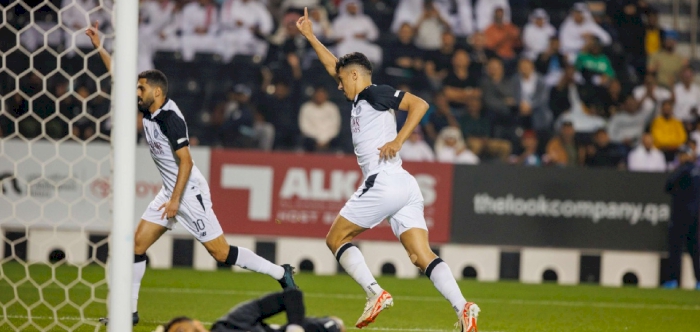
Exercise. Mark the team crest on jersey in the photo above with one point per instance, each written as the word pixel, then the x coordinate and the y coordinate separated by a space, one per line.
pixel 155 134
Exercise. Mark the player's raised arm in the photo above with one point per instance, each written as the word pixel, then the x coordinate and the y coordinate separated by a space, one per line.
pixel 416 108
pixel 94 33
pixel 324 55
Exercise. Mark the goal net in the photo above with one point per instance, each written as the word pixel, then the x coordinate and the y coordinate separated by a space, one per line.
pixel 55 165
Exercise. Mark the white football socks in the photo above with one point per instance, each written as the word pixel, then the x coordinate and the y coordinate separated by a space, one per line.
pixel 351 259
pixel 139 271
pixel 251 261
pixel 441 276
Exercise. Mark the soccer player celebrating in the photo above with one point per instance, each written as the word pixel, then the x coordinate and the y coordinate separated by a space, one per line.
pixel 184 197
pixel 251 316
pixel 388 190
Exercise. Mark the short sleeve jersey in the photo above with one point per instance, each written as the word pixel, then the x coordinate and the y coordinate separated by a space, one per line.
pixel 373 124
pixel 166 132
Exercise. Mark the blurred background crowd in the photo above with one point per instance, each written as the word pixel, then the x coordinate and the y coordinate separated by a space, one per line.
pixel 529 82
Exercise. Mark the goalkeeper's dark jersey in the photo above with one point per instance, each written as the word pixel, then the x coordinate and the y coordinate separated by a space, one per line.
pixel 249 316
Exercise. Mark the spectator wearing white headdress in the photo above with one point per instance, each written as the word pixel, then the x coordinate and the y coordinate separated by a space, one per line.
pixel 200 21
pixel 245 25
pixel 450 148
pixel 576 28
pixel 416 148
pixel 457 13
pixel 356 32
pixel 537 34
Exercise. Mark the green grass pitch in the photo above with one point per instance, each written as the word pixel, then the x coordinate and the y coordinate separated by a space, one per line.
pixel 206 295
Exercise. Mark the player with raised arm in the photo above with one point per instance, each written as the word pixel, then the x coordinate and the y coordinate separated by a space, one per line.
pixel 388 190
pixel 184 197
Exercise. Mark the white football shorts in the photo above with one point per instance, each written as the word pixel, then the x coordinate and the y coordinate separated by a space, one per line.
pixel 195 214
pixel 392 194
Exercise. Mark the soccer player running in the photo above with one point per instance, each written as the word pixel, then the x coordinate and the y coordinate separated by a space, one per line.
pixel 388 190
pixel 184 197
pixel 251 316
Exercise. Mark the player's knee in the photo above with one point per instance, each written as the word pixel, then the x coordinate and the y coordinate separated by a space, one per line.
pixel 139 248
pixel 414 258
pixel 421 261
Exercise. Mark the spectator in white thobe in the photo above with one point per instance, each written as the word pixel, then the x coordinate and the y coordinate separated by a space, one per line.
pixel 450 148
pixel 646 158
pixel 576 27
pixel 650 94
pixel 245 24
pixel 199 27
pixel 319 119
pixel 154 17
pixel 537 34
pixel 627 125
pixel 416 148
pixel 356 31
pixel 457 13
pixel 687 94
pixel 170 36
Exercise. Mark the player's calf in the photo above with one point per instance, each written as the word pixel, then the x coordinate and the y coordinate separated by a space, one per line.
pixel 245 258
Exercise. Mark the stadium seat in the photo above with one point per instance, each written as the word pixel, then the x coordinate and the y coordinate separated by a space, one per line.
pixel 485 260
pixel 687 276
pixel 294 251
pixel 534 262
pixel 43 242
pixel 160 254
pixel 614 265
pixel 378 253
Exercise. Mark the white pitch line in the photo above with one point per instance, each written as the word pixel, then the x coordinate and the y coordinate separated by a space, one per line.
pixel 75 318
pixel 619 305
pixel 409 298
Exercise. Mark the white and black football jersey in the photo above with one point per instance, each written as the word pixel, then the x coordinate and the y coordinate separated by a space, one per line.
pixel 166 132
pixel 373 124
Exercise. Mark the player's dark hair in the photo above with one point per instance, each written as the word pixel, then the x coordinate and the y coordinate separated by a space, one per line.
pixel 174 321
pixel 155 77
pixel 355 58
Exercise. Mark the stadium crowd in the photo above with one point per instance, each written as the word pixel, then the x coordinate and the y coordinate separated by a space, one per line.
pixel 533 83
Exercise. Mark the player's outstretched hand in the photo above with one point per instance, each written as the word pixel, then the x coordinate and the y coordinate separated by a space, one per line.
pixel 304 24
pixel 389 150
pixel 94 33
pixel 171 207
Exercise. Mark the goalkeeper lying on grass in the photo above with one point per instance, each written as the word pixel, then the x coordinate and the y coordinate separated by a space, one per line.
pixel 250 316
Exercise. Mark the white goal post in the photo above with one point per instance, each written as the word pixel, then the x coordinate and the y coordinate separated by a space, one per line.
pixel 67 185
pixel 124 145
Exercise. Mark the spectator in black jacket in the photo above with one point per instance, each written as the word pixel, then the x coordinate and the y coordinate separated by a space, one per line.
pixel 281 109
pixel 603 153
pixel 403 60
pixel 684 187
pixel 629 22
pixel 551 63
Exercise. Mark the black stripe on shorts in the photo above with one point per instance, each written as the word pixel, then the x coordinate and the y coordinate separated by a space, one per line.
pixel 369 183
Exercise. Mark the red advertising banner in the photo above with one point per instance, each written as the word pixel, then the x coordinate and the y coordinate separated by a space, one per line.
pixel 290 194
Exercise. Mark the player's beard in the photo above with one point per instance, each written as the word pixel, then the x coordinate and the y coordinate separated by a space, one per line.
pixel 144 105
